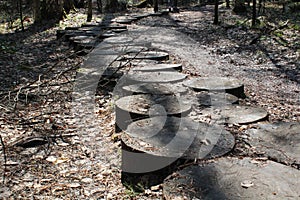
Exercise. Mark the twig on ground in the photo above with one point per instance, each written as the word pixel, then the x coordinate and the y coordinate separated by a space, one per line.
pixel 4 156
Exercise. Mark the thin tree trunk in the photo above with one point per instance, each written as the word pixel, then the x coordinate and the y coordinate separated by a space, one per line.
pixel 216 15
pixel 21 13
pixel 227 4
pixel 37 11
pixel 254 13
pixel 155 6
pixel 99 5
pixel 90 11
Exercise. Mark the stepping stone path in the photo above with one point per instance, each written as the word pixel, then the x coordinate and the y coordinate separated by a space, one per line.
pixel 178 137
pixel 156 119
pixel 279 141
pixel 155 77
pixel 155 88
pixel 234 178
pixel 218 84
pixel 235 114
pixel 157 67
pixel 131 108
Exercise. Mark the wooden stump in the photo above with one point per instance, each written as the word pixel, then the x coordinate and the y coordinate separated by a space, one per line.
pixel 215 99
pixel 118 30
pixel 233 178
pixel 91 24
pixel 155 77
pixel 235 114
pixel 88 43
pixel 155 88
pixel 90 28
pixel 132 108
pixel 118 40
pixel 116 26
pixel 157 67
pixel 217 84
pixel 177 138
pixel 124 20
pixel 279 141
pixel 107 35
pixel 152 55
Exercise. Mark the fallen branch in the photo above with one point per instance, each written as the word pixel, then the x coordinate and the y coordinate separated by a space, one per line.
pixel 4 156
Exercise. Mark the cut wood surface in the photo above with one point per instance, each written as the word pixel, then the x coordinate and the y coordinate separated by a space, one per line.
pixel 229 85
pixel 157 67
pixel 235 179
pixel 156 77
pixel 279 141
pixel 215 99
pixel 155 88
pixel 236 114
pixel 152 55
pixel 132 108
pixel 155 104
pixel 178 137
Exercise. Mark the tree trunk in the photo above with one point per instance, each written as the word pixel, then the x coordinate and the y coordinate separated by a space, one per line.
pixel 37 15
pixel 111 6
pixel 239 6
pixel 216 15
pixel 90 11
pixel 68 5
pixel 21 13
pixel 155 5
pixel 227 4
pixel 254 13
pixel 99 6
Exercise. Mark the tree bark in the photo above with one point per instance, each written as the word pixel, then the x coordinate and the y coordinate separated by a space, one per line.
pixel 37 16
pixel 239 6
pixel 254 13
pixel 21 13
pixel 155 5
pixel 68 5
pixel 111 6
pixel 227 4
pixel 90 11
pixel 216 15
pixel 99 5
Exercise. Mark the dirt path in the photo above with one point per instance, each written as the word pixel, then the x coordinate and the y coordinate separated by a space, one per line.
pixel 87 165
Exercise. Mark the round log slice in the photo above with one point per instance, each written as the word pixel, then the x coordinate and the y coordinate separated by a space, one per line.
pixel 124 19
pixel 152 55
pixel 158 67
pixel 107 35
pixel 178 138
pixel 140 16
pixel 118 40
pixel 155 88
pixel 119 30
pixel 80 38
pixel 85 43
pixel 215 99
pixel 219 84
pixel 279 141
pixel 156 77
pixel 235 179
pixel 90 28
pixel 236 114
pixel 131 108
pixel 116 26
pixel 91 24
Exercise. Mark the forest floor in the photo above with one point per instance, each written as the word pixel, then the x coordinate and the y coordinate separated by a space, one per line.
pixel 37 78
